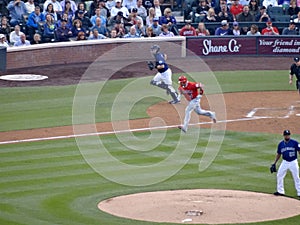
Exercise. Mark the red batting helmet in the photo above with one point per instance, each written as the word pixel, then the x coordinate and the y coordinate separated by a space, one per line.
pixel 182 81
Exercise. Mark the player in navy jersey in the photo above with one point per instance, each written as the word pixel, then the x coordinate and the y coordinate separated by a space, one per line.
pixel 287 149
pixel 163 78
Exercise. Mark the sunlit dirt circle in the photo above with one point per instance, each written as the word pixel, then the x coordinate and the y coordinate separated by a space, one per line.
pixel 216 206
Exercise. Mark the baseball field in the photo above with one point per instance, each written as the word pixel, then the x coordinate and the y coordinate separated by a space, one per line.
pixel 50 176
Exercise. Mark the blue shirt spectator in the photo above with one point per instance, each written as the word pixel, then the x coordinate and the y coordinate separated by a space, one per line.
pixel 224 29
pixel 16 10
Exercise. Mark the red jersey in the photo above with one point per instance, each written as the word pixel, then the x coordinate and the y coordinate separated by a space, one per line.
pixel 236 9
pixel 190 91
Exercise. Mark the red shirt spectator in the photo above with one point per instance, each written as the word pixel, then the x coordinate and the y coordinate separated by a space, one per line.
pixel 236 8
pixel 270 30
pixel 188 30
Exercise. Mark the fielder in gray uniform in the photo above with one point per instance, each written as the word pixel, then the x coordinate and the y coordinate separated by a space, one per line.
pixel 163 78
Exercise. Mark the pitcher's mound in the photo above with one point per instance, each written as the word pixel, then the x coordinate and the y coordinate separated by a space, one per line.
pixel 207 206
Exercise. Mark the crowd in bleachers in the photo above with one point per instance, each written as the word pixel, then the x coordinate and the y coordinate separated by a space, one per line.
pixel 42 21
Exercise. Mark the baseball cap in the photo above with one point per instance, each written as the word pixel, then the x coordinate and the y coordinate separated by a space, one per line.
pixel 2 36
pixel 155 19
pixel 235 23
pixel 269 22
pixel 118 1
pixel 63 20
pixel 224 22
pixel 286 132
pixel 120 13
pixel 134 10
pixel 296 59
pixel 80 12
pixel 292 22
pixel 262 7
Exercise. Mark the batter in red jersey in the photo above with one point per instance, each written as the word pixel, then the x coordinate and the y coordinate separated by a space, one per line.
pixel 193 92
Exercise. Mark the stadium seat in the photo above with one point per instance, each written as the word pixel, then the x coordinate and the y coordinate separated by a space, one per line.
pixel 282 18
pixel 275 10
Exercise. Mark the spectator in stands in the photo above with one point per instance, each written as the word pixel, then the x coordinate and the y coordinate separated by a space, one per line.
pixel 156 27
pixel 119 18
pixel 15 35
pixel 253 31
pixel 81 7
pixel 81 36
pixel 3 10
pixel 236 8
pixel 134 18
pixel 77 27
pixel 188 30
pixel 94 5
pixel 224 13
pixel 36 39
pixel 3 42
pixel 150 32
pixel 210 16
pixel 132 33
pixel 201 10
pixel 50 10
pixel 170 20
pixel 254 8
pixel 16 10
pixel 85 21
pixel 113 34
pixel 30 6
pixel 201 30
pixel 69 10
pixel 262 16
pixel 267 3
pixel 95 35
pixel 165 31
pixel 236 29
pixel 109 4
pixel 158 9
pixel 291 30
pixel 270 30
pixel 56 6
pixel 72 4
pixel 293 9
pixel 49 29
pixel 5 27
pixel 63 33
pixel 129 4
pixel 65 16
pixel 142 11
pixel 218 9
pixel 22 41
pixel 104 11
pixel 120 28
pixel 98 15
pixel 245 16
pixel 297 20
pixel 224 29
pixel 35 19
pixel 150 17
pixel 118 7
pixel 100 28
pixel 140 28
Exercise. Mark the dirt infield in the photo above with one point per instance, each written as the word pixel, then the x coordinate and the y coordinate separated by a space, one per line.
pixel 205 206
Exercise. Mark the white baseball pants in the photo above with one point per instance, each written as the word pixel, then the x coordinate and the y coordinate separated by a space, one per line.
pixel 283 168
pixel 194 104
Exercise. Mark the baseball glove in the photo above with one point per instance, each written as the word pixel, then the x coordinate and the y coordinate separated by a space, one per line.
pixel 273 168
pixel 150 65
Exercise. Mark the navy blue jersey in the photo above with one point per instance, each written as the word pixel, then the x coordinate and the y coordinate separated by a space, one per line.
pixel 160 60
pixel 288 150
pixel 295 70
